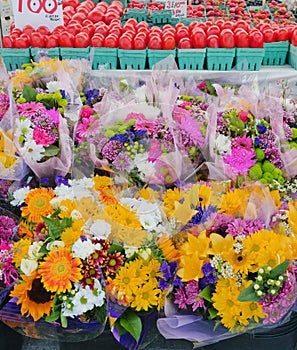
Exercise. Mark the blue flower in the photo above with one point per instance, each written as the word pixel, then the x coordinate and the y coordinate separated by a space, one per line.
pixel 261 128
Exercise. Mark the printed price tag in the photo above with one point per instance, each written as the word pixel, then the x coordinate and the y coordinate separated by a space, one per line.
pixel 38 12
pixel 178 7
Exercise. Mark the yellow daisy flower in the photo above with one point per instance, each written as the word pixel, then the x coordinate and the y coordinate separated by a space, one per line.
pixel 146 296
pixel 20 249
pixel 71 235
pixel 59 269
pixel 151 269
pixel 123 215
pixel 147 193
pixel 126 280
pixel 234 202
pixel 102 182
pixel 170 198
pixel 38 204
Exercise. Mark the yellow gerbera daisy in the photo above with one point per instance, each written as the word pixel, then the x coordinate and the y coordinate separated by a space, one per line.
pixel 234 202
pixel 292 216
pixel 59 269
pixel 102 182
pixel 38 204
pixel 146 296
pixel 20 249
pixel 66 206
pixel 147 193
pixel 35 301
pixel 170 198
pixel 123 215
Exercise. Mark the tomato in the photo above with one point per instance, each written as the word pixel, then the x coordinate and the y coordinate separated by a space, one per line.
pixel 155 42
pixel 228 25
pixel 74 28
pixel 242 38
pixel 28 29
pixel 58 29
pixel 213 41
pixel 7 42
pixel 139 42
pixel 81 39
pixel 256 39
pixel 37 40
pixel 242 24
pixel 182 32
pixel 125 42
pixel 51 41
pixel 281 34
pixel 111 41
pixel 268 34
pixel 110 15
pixel 79 17
pixel 97 40
pixel 21 43
pixel 227 39
pixel 102 29
pixel 168 41
pixel 185 43
pixel 66 39
pixel 198 38
pixel 213 29
pixel 96 15
pixel 294 37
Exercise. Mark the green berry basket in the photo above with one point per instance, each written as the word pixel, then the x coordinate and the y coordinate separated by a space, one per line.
pixel 132 59
pixel 160 17
pixel 105 57
pixel 155 56
pixel 292 57
pixel 219 58
pixel 15 58
pixel 36 53
pixel 138 14
pixel 71 53
pixel 275 53
pixel 191 59
pixel 249 58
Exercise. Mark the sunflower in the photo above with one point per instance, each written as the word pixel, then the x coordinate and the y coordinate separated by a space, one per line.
pixel 234 202
pixel 38 204
pixel 146 296
pixel 59 269
pixel 20 249
pixel 170 198
pixel 34 299
pixel 240 262
pixel 168 249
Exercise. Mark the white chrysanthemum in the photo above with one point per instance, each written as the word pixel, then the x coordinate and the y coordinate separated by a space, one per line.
pixel 84 248
pixel 145 167
pixel 19 196
pixel 31 149
pixel 53 86
pixel 100 229
pixel 223 144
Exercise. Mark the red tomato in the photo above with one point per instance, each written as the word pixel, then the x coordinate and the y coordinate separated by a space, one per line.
pixel 74 28
pixel 228 25
pixel 97 40
pixel 268 34
pixel 125 42
pixel 294 38
pixel 139 42
pixel 182 32
pixel 168 41
pixel 111 41
pixel 37 40
pixel 21 43
pixel 256 39
pixel 115 30
pixel 110 15
pixel 96 15
pixel 66 39
pixel 7 42
pixel 155 42
pixel 81 39
pixel 185 43
pixel 102 29
pixel 58 30
pixel 242 38
pixel 28 29
pixel 213 41
pixel 227 39
pixel 242 24
pixel 213 30
pixel 198 38
pixel 281 34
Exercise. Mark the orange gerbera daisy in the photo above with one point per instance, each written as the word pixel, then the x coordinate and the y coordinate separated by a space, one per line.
pixel 38 204
pixel 59 269
pixel 34 299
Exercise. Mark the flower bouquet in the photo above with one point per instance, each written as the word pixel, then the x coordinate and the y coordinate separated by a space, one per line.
pixel 60 289
pixel 236 261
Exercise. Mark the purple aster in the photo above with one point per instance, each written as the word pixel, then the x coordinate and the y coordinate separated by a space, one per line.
pixel 221 123
pixel 245 227
pixel 180 299
pixel 192 291
pixel 111 150
pixel 121 161
pixel 218 223
pixel 4 104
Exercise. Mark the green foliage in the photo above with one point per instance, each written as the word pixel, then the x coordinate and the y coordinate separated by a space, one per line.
pixel 131 323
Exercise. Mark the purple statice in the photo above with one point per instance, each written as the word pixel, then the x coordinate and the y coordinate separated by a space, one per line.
pixel 4 104
pixel 209 278
pixel 244 227
pixel 221 123
pixel 170 278
pixel 7 227
pixel 180 299
pixel 121 161
pixel 268 143
pixel 193 298
pixel 218 223
pixel 111 150
pixel 288 131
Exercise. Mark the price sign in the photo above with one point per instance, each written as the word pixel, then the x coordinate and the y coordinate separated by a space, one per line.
pixel 178 8
pixel 38 12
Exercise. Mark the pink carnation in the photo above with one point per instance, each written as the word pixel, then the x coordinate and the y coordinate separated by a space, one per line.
pixel 86 112
pixel 42 137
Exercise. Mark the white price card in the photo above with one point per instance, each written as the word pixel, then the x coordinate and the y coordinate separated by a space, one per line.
pixel 38 12
pixel 178 7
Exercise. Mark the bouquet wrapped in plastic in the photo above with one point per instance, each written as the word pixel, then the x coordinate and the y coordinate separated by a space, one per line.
pixel 235 254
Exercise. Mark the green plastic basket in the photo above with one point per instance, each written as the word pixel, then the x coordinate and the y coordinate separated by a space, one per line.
pixel 192 59
pixel 275 53
pixel 15 58
pixel 292 57
pixel 71 53
pixel 249 58
pixel 155 56
pixel 103 56
pixel 37 52
pixel 219 59
pixel 161 17
pixel 138 14
pixel 188 20
pixel 132 59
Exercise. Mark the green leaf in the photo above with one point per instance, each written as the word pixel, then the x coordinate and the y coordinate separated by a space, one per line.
pixel 206 293
pixel 51 151
pixel 115 247
pixel 249 294
pixel 212 313
pixel 279 269
pixel 211 89
pixel 64 322
pixel 29 93
pixel 53 316
pixel 132 323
